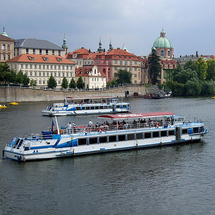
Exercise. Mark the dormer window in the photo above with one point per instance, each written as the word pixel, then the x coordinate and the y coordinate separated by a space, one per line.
pixel 59 59
pixel 45 59
pixel 31 58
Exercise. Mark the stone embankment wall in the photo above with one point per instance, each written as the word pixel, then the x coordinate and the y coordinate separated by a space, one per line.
pixel 19 94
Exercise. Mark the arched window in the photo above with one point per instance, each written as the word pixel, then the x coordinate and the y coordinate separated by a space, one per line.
pixel 162 52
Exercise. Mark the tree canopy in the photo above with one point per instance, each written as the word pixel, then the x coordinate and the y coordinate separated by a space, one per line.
pixel 80 83
pixel 72 84
pixel 64 83
pixel 124 77
pixel 52 82
pixel 154 67
pixel 197 78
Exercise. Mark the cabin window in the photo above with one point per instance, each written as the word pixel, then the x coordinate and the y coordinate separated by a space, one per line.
pixel 139 136
pixel 118 106
pixel 195 130
pixel 155 134
pixel 163 133
pixel 130 136
pixel 101 107
pixel 147 135
pixel 171 133
pixel 87 108
pixel 103 139
pixel 96 107
pixel 124 106
pixel 201 129
pixel 77 108
pixel 83 108
pixel 121 137
pixel 93 140
pixel 184 131
pixel 82 141
pixel 112 139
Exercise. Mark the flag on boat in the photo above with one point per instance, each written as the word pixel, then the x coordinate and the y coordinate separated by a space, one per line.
pixel 52 125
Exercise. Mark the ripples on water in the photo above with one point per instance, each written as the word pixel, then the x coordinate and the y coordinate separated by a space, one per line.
pixel 167 180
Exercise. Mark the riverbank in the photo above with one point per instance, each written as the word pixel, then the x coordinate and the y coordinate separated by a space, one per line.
pixel 29 94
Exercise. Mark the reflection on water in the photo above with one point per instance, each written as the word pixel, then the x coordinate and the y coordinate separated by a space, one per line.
pixel 167 180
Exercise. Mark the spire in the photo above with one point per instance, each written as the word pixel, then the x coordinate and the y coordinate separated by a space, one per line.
pixel 4 33
pixel 100 46
pixel 110 45
pixel 163 33
pixel 64 46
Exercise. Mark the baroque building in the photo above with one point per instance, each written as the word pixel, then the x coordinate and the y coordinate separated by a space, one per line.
pixel 6 47
pixel 41 67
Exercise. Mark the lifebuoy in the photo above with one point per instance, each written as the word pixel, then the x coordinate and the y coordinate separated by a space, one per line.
pixel 100 129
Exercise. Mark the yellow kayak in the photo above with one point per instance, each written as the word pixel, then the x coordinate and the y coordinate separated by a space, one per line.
pixel 3 106
pixel 213 97
pixel 14 103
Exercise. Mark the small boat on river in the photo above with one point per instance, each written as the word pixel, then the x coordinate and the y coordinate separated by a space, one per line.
pixel 114 133
pixel 14 103
pixel 93 105
pixel 3 106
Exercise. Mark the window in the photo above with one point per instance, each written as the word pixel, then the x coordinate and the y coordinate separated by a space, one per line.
pixel 163 133
pixel 130 136
pixel 168 53
pixel 116 62
pixel 156 134
pixel 8 47
pixel 26 66
pixel 82 141
pixel 59 52
pixel 44 66
pixel 121 137
pixel 47 51
pixel 40 51
pixel 93 140
pixel 47 66
pixel 8 57
pixel 112 139
pixel 130 63
pixel 171 133
pixel 147 135
pixel 3 46
pixel 103 139
pixel 120 62
pixel 162 52
pixel 33 51
pixel 52 52
pixel 71 67
pixel 139 136
pixel 35 66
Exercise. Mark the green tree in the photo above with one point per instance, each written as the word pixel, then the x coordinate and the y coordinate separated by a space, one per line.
pixel 109 84
pixel 154 67
pixel 210 73
pixel 72 84
pixel 190 65
pixel 208 88
pixel 4 72
pixel 124 76
pixel 80 83
pixel 26 80
pixel 169 74
pixel 193 87
pixel 185 75
pixel 33 82
pixel 201 68
pixel 52 82
pixel 19 77
pixel 114 83
pixel 64 83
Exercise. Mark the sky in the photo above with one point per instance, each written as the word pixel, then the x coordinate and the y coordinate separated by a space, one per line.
pixel 189 24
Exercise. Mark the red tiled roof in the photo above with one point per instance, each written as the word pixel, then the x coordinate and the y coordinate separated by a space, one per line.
pixel 84 72
pixel 33 58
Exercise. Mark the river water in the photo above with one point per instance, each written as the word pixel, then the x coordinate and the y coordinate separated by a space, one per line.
pixel 176 179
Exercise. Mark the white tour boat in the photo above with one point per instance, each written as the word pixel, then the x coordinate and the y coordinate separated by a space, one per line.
pixel 93 105
pixel 117 132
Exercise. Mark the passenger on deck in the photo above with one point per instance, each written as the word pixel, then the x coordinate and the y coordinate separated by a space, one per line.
pixel 90 123
pixel 69 127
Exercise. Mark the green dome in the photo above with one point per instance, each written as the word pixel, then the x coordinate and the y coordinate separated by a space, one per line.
pixel 162 41
pixel 4 33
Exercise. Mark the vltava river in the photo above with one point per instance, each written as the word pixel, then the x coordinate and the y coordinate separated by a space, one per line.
pixel 169 180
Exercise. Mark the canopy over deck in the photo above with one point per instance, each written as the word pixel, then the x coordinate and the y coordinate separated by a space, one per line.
pixel 137 115
pixel 90 97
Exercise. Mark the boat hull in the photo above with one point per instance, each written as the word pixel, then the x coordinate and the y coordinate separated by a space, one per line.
pixel 50 153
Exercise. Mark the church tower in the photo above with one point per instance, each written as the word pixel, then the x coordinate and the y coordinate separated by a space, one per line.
pixel 64 46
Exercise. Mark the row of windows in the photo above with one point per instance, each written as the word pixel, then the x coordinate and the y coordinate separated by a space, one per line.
pixel 35 66
pixel 99 107
pixel 162 53
pixel 55 74
pixel 128 69
pixel 3 47
pixel 126 62
pixel 44 82
pixel 125 137
pixel 4 57
pixel 41 51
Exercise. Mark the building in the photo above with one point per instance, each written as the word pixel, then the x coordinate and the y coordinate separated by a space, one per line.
pixel 41 67
pixel 165 51
pixel 36 46
pixel 6 47
pixel 91 76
